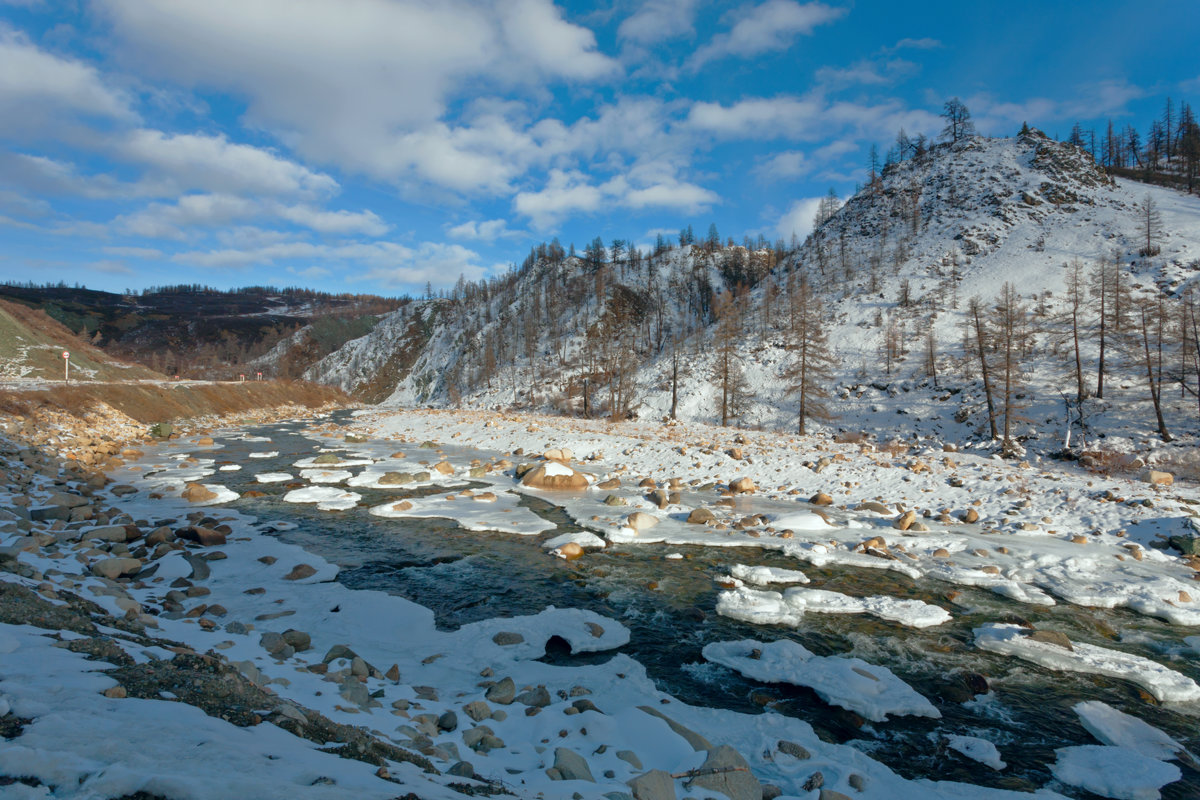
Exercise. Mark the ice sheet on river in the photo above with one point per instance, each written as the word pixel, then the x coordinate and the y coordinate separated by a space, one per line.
pixel 474 511
pixel 1116 728
pixel 1083 581
pixel 763 576
pixel 976 749
pixel 867 689
pixel 772 608
pixel 326 475
pixel 327 498
pixel 1116 772
pixel 1165 684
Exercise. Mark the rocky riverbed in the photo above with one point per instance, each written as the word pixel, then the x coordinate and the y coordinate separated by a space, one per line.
pixel 158 598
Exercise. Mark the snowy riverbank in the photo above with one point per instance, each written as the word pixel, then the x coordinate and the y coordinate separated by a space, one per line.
pixel 438 711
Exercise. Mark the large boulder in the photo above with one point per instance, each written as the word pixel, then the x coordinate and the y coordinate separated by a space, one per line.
pixel 571 766
pixel 701 516
pixel 197 493
pixel 1158 478
pixel 741 486
pixel 205 537
pixel 727 773
pixel 554 476
pixel 641 521
pixel 113 568
pixel 656 784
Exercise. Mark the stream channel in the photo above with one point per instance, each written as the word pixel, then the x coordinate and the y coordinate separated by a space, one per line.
pixel 668 605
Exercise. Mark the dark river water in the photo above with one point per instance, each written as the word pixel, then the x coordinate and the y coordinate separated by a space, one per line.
pixel 668 605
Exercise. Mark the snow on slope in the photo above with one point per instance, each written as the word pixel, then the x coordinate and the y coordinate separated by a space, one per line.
pixel 960 222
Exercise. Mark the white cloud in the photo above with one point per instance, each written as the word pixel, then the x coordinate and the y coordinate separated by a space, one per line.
pixel 311 273
pixel 1104 98
pixel 39 89
pixel 375 98
pixel 372 253
pixel 174 220
pixel 337 222
pixel 781 117
pixel 171 221
pixel 435 263
pixel 568 193
pixel 798 220
pixel 785 164
pixel 908 43
pixel 48 176
pixel 485 231
pixel 866 73
pixel 764 28
pixel 565 193
pixel 192 162
pixel 658 21
pixel 387 263
pixel 807 118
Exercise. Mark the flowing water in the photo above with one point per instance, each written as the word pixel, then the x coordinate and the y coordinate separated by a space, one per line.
pixel 668 605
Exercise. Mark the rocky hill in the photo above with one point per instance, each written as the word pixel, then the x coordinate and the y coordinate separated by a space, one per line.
pixel 201 332
pixel 31 347
pixel 895 267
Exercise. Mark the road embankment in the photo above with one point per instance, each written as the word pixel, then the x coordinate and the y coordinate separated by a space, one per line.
pixel 92 423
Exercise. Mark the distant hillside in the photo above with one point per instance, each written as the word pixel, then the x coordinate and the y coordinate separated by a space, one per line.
pixel 193 330
pixel 32 344
pixel 895 267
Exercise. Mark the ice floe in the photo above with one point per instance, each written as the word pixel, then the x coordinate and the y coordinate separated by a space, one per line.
pixel 327 498
pixel 474 511
pixel 872 691
pixel 764 576
pixel 1165 684
pixel 976 749
pixel 1115 772
pixel 772 608
pixel 326 475
pixel 1118 729
pixel 273 477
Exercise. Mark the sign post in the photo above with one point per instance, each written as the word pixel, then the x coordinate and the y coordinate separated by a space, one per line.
pixel 66 367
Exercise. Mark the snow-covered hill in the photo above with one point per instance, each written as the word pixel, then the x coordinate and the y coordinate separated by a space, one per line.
pixel 895 267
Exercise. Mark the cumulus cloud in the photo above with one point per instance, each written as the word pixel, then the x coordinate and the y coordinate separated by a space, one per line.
pixel 39 89
pixel 172 220
pixel 213 163
pixel 806 118
pixel 197 211
pixel 571 192
pixel 335 222
pixel 658 21
pixel 770 26
pixel 433 262
pixel 798 219
pixel 388 69
pixel 371 253
pixel 483 231
pixel 785 164
pixel 1103 98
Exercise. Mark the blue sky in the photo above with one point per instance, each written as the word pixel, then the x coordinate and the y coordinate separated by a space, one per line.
pixel 376 145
